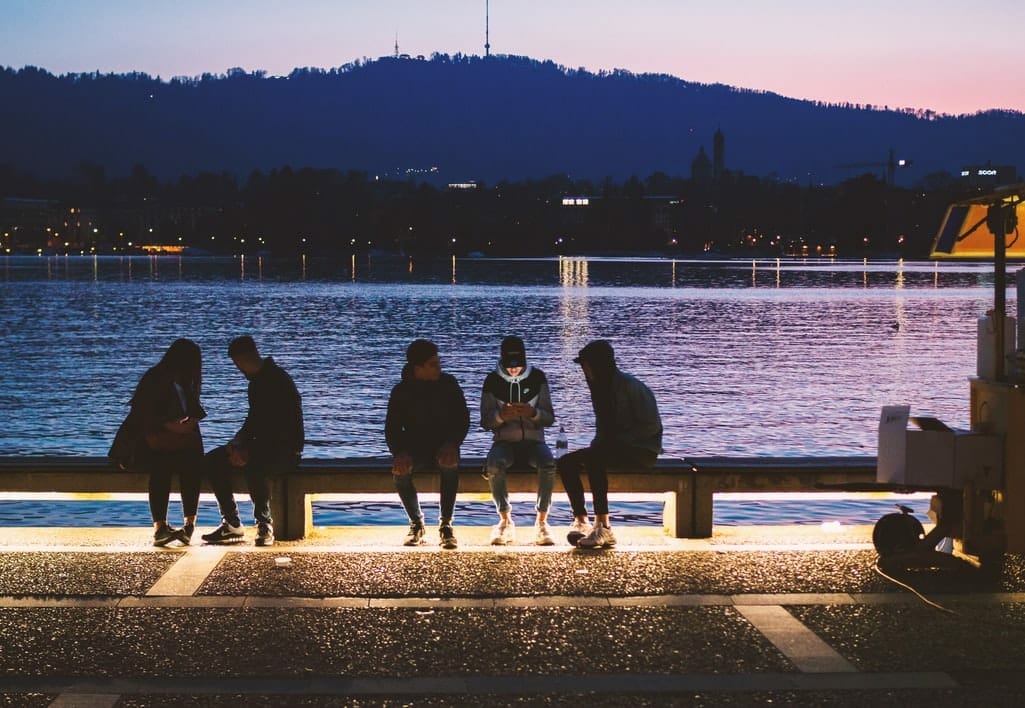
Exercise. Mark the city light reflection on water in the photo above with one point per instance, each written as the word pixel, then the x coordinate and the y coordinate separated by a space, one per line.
pixel 780 358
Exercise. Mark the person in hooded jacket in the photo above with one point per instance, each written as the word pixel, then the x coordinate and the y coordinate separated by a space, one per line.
pixel 516 405
pixel 166 403
pixel 628 433
pixel 427 421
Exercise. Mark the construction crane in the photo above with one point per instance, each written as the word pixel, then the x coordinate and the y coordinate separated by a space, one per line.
pixel 891 166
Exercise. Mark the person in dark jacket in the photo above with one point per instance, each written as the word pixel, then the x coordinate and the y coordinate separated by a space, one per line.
pixel 516 406
pixel 167 410
pixel 427 421
pixel 628 433
pixel 269 444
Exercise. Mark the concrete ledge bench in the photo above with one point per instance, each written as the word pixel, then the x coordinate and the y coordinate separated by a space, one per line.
pixel 688 485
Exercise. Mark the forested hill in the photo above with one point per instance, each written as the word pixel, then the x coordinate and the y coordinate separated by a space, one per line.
pixel 472 118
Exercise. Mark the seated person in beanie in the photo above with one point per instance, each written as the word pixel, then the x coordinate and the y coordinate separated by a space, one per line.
pixel 516 406
pixel 628 433
pixel 426 423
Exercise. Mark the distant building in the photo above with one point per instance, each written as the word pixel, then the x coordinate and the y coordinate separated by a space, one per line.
pixel 701 167
pixel 988 176
pixel 718 155
pixel 704 170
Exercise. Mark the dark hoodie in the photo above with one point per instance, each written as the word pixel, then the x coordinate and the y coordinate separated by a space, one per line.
pixel 424 415
pixel 275 420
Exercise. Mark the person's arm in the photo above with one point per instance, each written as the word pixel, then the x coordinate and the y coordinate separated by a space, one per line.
pixel 394 432
pixel 544 415
pixel 458 422
pixel 490 409
pixel 645 422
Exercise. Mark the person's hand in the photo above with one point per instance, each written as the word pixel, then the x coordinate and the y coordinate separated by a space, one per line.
pixel 526 410
pixel 238 456
pixel 182 426
pixel 448 455
pixel 509 411
pixel 402 464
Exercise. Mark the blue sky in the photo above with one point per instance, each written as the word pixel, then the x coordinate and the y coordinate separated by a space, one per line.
pixel 952 57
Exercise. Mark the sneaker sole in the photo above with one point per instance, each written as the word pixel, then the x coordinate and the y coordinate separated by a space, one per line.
pixel 225 541
pixel 163 542
pixel 263 544
pixel 545 542
pixel 410 544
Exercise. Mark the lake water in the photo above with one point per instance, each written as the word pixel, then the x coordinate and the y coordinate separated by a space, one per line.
pixel 791 358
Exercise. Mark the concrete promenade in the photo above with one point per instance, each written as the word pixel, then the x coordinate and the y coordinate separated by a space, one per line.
pixel 348 617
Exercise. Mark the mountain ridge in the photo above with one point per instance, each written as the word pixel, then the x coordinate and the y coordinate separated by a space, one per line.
pixel 472 118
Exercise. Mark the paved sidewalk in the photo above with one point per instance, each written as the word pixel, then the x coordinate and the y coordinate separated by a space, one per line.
pixel 791 615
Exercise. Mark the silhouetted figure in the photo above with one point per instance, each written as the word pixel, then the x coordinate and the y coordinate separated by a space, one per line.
pixel 269 444
pixel 426 423
pixel 516 406
pixel 628 433
pixel 166 403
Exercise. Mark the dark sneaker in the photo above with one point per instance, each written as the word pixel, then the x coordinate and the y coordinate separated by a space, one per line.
pixel 600 537
pixel 265 535
pixel 185 534
pixel 225 533
pixel 447 536
pixel 415 537
pixel 165 534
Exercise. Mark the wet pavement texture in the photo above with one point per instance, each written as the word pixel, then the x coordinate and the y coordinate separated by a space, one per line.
pixel 969 637
pixel 75 574
pixel 580 573
pixel 394 642
pixel 983 697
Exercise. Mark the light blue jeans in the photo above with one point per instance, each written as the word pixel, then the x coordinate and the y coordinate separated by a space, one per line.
pixel 532 453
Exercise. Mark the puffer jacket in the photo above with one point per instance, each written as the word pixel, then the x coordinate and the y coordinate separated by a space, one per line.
pixel 499 388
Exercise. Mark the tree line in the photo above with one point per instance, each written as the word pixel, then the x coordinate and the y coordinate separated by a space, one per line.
pixel 331 211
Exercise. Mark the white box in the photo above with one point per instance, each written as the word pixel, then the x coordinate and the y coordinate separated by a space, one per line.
pixel 936 458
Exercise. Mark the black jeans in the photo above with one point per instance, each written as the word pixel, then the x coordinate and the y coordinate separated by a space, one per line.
pixel 162 466
pixel 595 461
pixel 258 473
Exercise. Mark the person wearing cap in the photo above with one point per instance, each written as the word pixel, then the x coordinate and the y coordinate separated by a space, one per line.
pixel 628 434
pixel 427 421
pixel 516 406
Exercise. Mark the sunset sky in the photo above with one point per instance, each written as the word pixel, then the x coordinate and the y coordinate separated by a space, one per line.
pixel 945 55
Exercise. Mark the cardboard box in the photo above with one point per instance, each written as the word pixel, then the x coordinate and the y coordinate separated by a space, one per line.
pixel 937 457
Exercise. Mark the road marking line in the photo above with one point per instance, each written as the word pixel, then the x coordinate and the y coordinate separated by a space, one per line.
pixel 808 652
pixel 186 575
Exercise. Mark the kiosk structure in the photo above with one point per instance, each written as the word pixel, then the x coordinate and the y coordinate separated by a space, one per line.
pixel 987 227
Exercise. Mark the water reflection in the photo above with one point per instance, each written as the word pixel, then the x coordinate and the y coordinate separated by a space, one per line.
pixel 573 272
pixel 802 368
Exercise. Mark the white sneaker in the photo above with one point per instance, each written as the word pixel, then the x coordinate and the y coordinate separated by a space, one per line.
pixel 544 535
pixel 503 533
pixel 581 527
pixel 600 537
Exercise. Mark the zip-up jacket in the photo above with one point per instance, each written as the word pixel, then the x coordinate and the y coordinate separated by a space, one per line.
pixel 499 388
pixel 632 417
pixel 424 415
